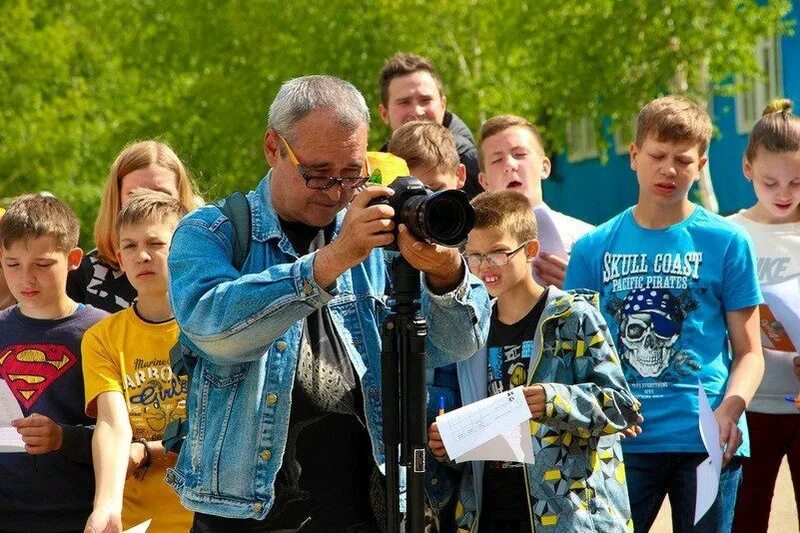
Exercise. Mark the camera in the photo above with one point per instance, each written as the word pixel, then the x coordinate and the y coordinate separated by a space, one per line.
pixel 443 217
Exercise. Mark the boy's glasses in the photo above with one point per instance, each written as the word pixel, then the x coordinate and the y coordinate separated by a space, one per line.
pixel 326 182
pixel 497 259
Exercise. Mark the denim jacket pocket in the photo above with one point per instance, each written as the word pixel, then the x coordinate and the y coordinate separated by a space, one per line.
pixel 344 310
pixel 211 437
pixel 224 375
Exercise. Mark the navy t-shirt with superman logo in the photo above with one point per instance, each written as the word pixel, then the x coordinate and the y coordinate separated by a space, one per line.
pixel 40 361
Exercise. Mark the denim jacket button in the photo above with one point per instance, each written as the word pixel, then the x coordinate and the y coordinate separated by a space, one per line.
pixel 434 481
pixel 272 399
pixel 257 506
pixel 281 345
pixel 170 477
pixel 307 288
pixel 266 455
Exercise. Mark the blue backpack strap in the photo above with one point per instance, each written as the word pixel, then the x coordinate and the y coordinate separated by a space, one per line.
pixel 182 365
pixel 236 208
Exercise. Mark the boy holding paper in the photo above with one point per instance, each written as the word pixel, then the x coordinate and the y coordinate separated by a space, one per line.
pixel 676 284
pixel 555 345
pixel 50 487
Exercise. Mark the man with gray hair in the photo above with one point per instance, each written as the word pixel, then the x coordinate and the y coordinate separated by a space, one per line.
pixel 285 400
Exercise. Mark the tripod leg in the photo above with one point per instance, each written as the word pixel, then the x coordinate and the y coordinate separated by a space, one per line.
pixel 391 422
pixel 414 441
pixel 407 348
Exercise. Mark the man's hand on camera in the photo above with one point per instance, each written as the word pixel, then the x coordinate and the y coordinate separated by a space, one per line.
pixel 364 228
pixel 443 266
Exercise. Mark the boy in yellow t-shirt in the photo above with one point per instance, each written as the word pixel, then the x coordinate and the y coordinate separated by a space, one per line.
pixel 129 382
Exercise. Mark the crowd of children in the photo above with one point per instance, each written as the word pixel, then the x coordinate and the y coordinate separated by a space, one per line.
pixel 67 362
pixel 612 340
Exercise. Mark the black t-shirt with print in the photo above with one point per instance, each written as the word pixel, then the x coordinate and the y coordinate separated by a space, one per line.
pixel 509 350
pixel 100 285
pixel 328 459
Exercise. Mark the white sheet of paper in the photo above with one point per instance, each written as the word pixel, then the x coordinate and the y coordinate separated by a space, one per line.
pixel 549 237
pixel 11 441
pixel 708 471
pixel 9 406
pixel 783 300
pixel 707 488
pixel 514 444
pixel 141 528
pixel 475 424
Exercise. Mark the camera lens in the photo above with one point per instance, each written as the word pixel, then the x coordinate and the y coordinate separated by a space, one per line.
pixel 444 217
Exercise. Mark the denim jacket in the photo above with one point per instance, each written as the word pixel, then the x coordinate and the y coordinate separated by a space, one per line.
pixel 243 332
pixel 578 481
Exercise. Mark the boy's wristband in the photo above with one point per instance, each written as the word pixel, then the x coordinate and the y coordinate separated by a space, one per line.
pixel 147 453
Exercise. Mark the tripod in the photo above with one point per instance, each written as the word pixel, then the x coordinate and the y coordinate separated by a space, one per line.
pixel 404 397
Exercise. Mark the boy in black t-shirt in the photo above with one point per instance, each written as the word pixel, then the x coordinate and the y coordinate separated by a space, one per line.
pixel 555 345
pixel 49 488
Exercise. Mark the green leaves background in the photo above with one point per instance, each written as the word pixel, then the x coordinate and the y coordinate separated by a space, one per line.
pixel 80 79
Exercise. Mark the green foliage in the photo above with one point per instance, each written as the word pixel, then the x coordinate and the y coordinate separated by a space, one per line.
pixel 80 79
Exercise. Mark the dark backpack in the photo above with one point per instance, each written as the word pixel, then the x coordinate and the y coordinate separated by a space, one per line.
pixel 236 208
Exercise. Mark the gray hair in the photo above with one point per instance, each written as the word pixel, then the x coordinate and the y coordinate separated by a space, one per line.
pixel 300 96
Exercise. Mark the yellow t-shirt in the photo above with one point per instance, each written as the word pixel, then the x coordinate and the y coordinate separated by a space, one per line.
pixel 154 398
pixel 387 167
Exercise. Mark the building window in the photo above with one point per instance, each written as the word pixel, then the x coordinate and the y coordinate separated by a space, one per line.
pixel 750 104
pixel 624 134
pixel 581 140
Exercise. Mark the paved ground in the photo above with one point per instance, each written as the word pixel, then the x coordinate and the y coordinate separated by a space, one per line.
pixel 782 519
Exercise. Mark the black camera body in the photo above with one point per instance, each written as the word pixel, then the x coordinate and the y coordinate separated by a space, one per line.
pixel 443 217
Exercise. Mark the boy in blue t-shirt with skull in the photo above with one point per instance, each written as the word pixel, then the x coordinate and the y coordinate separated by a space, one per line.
pixel 676 284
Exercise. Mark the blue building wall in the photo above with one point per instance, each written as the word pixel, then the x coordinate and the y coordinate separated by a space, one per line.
pixel 590 191
pixel 594 192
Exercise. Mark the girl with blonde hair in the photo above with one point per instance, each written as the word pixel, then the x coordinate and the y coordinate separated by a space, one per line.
pixel 143 165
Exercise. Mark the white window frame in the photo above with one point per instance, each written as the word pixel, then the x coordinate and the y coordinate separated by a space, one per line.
pixel 749 104
pixel 581 140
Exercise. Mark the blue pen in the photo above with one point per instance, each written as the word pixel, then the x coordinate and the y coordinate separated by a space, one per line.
pixel 791 399
pixel 441 405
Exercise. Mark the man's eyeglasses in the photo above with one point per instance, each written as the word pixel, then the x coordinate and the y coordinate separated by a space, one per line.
pixel 497 259
pixel 326 182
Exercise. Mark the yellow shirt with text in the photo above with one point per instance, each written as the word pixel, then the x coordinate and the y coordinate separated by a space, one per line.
pixel 124 353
